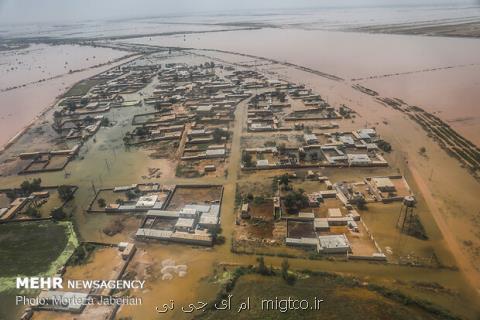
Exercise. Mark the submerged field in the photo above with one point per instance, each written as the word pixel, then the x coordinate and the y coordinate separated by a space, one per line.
pixel 344 298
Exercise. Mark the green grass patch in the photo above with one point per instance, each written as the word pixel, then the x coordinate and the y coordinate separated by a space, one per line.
pixel 344 298
pixel 33 248
pixel 82 87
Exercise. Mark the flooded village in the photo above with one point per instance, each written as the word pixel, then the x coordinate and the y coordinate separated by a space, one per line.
pixel 206 172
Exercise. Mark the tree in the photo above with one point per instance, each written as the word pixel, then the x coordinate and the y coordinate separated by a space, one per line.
pixel 71 106
pixel 384 145
pixel 285 267
pixel 361 203
pixel 131 195
pixel 423 150
pixel 284 179
pixel 29 187
pixel 105 122
pixel 83 101
pixel 102 203
pixel 247 159
pixel 218 134
pixel 88 119
pixel 286 275
pixel 295 201
pixel 65 192
pixel 32 212
pixel 58 214
pixel 142 131
pixel 262 268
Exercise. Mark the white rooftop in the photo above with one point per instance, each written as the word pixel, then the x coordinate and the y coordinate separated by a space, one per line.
pixel 146 201
pixel 185 223
pixel 334 241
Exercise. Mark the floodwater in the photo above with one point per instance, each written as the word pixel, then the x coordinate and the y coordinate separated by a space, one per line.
pixel 40 61
pixel 451 94
pixel 18 107
pixel 349 55
pixel 438 74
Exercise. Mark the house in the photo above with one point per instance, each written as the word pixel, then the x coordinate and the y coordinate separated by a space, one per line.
pixel 321 224
pixel 128 251
pixel 15 207
pixel 204 109
pixel 337 243
pixel 358 159
pixel 215 153
pixel 184 224
pixel 383 184
pixel 245 214
pixel 310 138
pixel 302 242
pixel 210 168
pixel 262 163
pixel 146 202
pixel 189 213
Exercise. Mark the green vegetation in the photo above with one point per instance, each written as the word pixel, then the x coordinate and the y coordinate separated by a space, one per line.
pixel 295 201
pixel 65 192
pixel 384 145
pixel 262 268
pixel 132 194
pixel 102 203
pixel 29 248
pixel 81 254
pixel 344 298
pixel 58 214
pixel 361 203
pixel 286 275
pixel 32 212
pixel 284 179
pixel 82 87
pixel 247 159
pixel 218 135
pixel 33 186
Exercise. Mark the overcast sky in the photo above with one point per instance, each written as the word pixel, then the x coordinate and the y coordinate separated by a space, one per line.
pixel 25 11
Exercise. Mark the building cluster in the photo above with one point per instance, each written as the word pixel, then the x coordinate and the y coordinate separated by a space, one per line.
pixel 287 106
pixel 194 224
pixel 339 149
pixel 85 302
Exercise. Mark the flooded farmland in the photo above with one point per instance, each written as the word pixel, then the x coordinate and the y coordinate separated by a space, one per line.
pixel 281 135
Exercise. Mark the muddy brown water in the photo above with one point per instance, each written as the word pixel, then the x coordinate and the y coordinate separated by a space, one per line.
pixel 107 163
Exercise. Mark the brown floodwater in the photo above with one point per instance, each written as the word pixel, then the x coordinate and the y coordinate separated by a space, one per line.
pixel 107 163
pixel 452 90
pixel 20 106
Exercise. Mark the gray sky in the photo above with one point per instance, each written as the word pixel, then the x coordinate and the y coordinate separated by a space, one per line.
pixel 25 11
